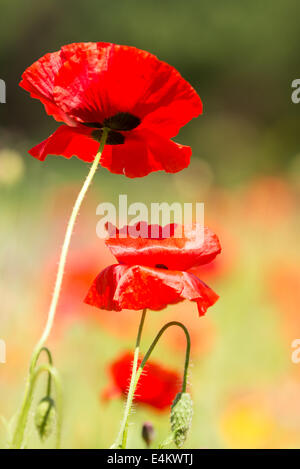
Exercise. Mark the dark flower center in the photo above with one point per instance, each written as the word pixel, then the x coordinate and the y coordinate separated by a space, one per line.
pixel 161 266
pixel 122 121
pixel 113 137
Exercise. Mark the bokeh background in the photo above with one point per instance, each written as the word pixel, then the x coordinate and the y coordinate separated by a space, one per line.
pixel 241 57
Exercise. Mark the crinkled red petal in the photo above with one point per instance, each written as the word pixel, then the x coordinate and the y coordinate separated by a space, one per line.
pixel 133 158
pixel 67 141
pixel 91 81
pixel 101 79
pixel 144 152
pixel 137 287
pixel 39 80
pixel 186 247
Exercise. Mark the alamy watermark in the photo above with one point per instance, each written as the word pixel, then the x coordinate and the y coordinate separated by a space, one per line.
pixel 137 216
pixel 2 92
pixel 296 93
pixel 295 356
pixel 2 351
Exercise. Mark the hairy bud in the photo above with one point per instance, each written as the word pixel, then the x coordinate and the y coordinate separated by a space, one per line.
pixel 181 417
pixel 45 417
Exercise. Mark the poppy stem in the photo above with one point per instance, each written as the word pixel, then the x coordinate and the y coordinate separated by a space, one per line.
pixel 136 374
pixel 122 436
pixel 23 414
pixel 187 353
pixel 65 247
pixel 50 360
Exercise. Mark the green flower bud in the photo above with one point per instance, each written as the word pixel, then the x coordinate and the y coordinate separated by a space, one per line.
pixel 45 417
pixel 181 417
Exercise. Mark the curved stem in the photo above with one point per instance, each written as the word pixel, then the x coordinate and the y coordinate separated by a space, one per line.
pixel 17 442
pixel 45 367
pixel 122 436
pixel 136 374
pixel 50 360
pixel 22 418
pixel 187 353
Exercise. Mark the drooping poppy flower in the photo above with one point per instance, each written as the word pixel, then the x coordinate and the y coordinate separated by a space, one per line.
pixel 157 386
pixel 141 100
pixel 153 272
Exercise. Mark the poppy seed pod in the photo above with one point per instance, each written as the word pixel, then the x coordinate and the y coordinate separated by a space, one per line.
pixel 45 417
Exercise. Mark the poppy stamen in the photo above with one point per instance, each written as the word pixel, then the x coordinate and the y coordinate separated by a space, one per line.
pixel 113 138
pixel 161 266
pixel 122 121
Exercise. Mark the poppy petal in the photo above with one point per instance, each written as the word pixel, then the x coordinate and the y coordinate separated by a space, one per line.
pixel 131 287
pixel 168 120
pixel 173 157
pixel 132 158
pixel 80 85
pixel 157 386
pixel 183 249
pixel 142 100
pixel 145 152
pixel 103 79
pixel 67 141
pixel 39 80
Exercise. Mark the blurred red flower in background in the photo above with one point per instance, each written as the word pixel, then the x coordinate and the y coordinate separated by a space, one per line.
pixel 82 266
pixel 269 202
pixel 141 100
pixel 157 386
pixel 153 272
pixel 78 275
pixel 84 261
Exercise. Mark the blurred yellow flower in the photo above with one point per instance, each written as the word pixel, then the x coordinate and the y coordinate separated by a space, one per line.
pixel 246 425
pixel 254 421
pixel 12 167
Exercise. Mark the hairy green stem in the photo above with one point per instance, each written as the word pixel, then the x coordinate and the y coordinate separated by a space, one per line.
pixel 65 249
pixel 121 440
pixel 187 353
pixel 136 374
pixel 27 399
pixel 50 360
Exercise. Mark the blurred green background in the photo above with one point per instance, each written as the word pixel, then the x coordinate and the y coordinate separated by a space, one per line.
pixel 241 57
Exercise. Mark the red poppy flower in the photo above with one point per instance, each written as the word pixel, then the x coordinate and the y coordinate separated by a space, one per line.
pixel 157 386
pixel 153 272
pixel 141 100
